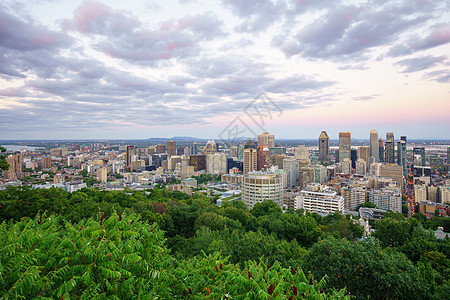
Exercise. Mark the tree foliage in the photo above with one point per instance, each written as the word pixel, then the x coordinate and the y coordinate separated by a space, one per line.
pixel 3 163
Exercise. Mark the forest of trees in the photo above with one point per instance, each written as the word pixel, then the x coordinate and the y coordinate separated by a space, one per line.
pixel 94 244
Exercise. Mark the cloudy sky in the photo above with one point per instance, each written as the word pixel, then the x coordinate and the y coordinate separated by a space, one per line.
pixel 140 69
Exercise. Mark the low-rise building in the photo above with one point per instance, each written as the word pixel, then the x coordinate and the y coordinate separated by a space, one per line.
pixel 319 199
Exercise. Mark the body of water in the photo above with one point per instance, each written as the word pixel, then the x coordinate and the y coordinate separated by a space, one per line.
pixel 21 148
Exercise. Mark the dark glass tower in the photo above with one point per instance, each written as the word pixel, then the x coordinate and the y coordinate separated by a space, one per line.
pixel 324 147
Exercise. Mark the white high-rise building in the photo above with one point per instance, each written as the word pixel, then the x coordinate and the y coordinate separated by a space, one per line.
pixel 291 166
pixel 374 146
pixel 346 166
pixel 102 174
pixel 266 139
pixel 301 153
pixel 353 196
pixel 420 193
pixel 315 198
pixel 262 186
pixel 361 167
pixel 386 198
pixel 375 168
pixel 320 173
pixel 216 163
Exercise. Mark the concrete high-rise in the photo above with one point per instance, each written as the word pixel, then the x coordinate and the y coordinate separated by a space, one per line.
pixel 448 159
pixel 319 199
pixel 46 162
pixel 210 148
pixel 15 170
pixel 262 186
pixel 250 157
pixel 345 144
pixel 324 147
pixel 160 148
pixel 364 153
pixel 171 148
pixel 389 149
pixel 421 152
pixel 361 167
pixel 131 150
pixel 290 165
pixel 263 154
pixel 266 139
pixel 386 198
pixel 394 172
pixel 198 162
pixel 102 174
pixel 401 155
pixel 374 150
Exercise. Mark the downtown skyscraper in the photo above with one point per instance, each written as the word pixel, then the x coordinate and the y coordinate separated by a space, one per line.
pixel 374 148
pixel 389 148
pixel 324 147
pixel 345 145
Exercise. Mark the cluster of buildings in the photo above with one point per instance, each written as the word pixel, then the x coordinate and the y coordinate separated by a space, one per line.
pixel 323 178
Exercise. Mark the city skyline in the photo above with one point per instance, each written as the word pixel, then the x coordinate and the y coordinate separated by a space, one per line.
pixel 115 70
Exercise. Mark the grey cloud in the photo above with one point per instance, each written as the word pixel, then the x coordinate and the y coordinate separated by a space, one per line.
pixel 295 84
pixel 257 15
pixel 420 63
pixel 345 31
pixel 215 67
pixel 438 35
pixel 26 46
pixel 442 76
pixel 16 34
pixel 129 40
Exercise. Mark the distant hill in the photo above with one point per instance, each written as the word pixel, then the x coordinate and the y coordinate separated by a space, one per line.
pixel 177 138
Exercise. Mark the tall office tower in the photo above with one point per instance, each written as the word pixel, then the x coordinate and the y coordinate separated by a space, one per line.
pixel 401 155
pixel 263 154
pixel 421 152
pixel 210 147
pixel 290 165
pixel 389 149
pixel 15 170
pixel 354 157
pixel 160 148
pixel 131 150
pixel 171 148
pixel 364 153
pixel 262 186
pixel 250 157
pixel 198 162
pixel 381 149
pixel 241 151
pixel 46 162
pixel 324 147
pixel 266 139
pixel 374 150
pixel 448 159
pixel 151 150
pixel 216 163
pixel 194 148
pixel 345 144
pixel 234 151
